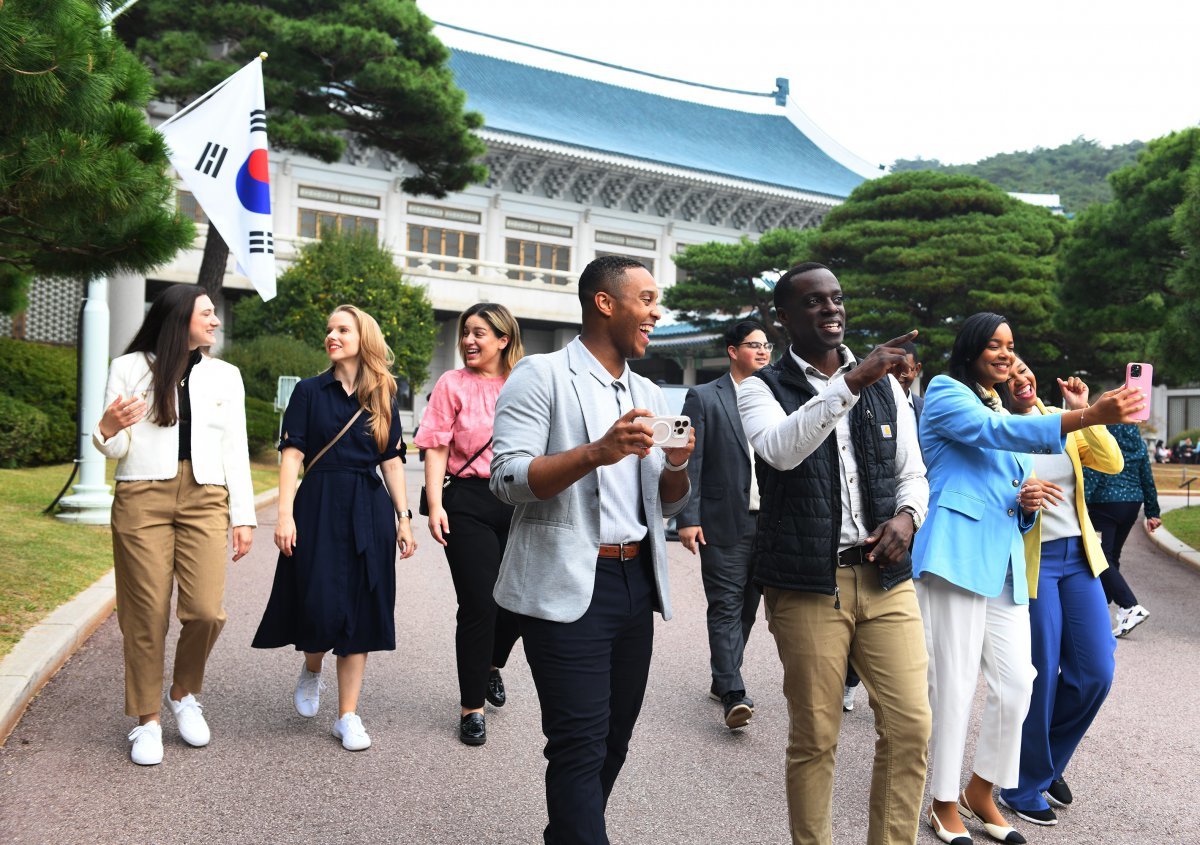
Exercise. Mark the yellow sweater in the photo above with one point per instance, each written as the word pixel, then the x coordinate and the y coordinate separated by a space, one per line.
pixel 1091 447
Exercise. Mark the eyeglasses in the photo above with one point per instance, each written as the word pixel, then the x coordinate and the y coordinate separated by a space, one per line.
pixel 757 345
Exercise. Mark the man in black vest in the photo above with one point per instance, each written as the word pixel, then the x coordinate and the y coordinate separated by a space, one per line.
pixel 843 490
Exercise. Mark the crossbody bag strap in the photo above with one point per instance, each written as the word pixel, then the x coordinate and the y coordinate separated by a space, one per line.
pixel 463 468
pixel 336 438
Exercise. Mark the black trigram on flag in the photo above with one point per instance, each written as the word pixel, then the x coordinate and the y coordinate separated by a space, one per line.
pixel 258 121
pixel 211 159
pixel 262 242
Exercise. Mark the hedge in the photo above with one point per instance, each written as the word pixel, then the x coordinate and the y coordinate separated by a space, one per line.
pixel 42 377
pixel 23 429
pixel 264 359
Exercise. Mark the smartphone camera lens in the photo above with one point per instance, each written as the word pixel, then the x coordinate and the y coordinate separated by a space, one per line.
pixel 1135 370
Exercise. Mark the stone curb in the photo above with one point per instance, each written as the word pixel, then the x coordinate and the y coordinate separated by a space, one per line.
pixel 47 646
pixel 1172 546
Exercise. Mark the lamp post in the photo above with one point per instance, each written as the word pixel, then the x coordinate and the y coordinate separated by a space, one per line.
pixel 91 502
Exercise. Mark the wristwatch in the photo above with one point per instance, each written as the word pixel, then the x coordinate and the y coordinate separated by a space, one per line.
pixel 404 514
pixel 911 511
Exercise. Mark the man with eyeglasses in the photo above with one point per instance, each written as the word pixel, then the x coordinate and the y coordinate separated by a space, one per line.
pixel 719 518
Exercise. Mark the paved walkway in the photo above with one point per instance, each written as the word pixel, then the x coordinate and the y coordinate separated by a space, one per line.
pixel 270 776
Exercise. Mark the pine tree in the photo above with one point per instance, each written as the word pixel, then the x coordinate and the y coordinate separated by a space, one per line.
pixel 367 72
pixel 83 185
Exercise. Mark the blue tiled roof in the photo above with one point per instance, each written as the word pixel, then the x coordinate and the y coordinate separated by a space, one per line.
pixel 553 106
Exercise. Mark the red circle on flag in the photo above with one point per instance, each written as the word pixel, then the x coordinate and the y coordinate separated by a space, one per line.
pixel 259 166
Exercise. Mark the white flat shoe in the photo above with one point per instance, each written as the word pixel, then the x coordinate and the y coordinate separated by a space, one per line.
pixel 945 835
pixel 999 832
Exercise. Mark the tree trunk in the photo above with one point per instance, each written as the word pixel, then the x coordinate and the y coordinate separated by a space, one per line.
pixel 212 267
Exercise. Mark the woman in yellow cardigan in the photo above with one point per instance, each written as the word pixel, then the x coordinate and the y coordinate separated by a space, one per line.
pixel 1073 645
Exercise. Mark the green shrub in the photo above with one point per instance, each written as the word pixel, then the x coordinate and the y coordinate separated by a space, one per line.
pixel 23 429
pixel 43 377
pixel 264 359
pixel 1193 433
pixel 262 426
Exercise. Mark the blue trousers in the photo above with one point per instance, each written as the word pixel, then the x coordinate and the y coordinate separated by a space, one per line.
pixel 1074 654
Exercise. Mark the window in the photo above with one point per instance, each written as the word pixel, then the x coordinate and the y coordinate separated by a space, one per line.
pixel 439 241
pixel 649 262
pixel 537 254
pixel 552 229
pixel 343 197
pixel 681 275
pixel 186 203
pixel 626 240
pixel 315 224
pixel 456 214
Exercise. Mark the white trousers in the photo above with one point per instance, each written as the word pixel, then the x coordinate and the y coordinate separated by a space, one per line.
pixel 966 632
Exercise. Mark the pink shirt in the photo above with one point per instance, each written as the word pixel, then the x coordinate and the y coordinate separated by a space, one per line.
pixel 460 413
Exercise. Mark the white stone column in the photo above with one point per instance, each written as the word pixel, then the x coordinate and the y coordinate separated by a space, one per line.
pixel 91 501
pixel 126 310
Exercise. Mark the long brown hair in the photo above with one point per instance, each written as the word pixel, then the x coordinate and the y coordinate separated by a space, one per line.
pixel 163 338
pixel 376 386
pixel 503 324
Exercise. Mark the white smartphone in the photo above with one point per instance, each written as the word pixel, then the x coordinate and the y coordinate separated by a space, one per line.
pixel 668 432
pixel 1141 376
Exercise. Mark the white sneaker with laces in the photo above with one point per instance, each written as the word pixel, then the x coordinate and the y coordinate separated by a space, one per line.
pixel 308 692
pixel 349 729
pixel 147 748
pixel 1129 618
pixel 848 699
pixel 190 720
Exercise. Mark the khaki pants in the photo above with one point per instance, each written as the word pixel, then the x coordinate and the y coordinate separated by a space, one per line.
pixel 882 635
pixel 167 532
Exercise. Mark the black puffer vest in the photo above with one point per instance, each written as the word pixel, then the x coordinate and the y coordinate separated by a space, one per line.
pixel 800 521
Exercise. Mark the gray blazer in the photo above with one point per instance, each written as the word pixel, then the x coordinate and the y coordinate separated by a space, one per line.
pixel 549 566
pixel 719 468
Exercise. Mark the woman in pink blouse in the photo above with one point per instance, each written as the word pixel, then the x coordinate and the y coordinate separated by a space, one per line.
pixel 464 516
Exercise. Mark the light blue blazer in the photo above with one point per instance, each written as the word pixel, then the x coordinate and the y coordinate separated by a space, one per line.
pixel 976 461
pixel 549 565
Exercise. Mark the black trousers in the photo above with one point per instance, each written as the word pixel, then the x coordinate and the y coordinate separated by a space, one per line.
pixel 591 677
pixel 1114 520
pixel 486 633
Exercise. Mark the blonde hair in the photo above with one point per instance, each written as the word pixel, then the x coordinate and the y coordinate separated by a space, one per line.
pixel 503 324
pixel 376 387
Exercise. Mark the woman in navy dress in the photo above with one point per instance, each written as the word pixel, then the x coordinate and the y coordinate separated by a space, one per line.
pixel 335 581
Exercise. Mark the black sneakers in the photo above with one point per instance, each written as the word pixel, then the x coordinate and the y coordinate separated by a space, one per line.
pixel 1059 794
pixel 738 708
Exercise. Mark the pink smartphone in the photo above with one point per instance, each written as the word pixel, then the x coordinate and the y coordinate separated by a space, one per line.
pixel 1140 376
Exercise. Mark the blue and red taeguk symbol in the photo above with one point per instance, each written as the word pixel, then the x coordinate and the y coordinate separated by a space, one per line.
pixel 254 183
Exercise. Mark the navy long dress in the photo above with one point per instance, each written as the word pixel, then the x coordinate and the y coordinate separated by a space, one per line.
pixel 337 592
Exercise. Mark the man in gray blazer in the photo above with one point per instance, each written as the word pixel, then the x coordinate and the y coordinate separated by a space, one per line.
pixel 719 517
pixel 586 560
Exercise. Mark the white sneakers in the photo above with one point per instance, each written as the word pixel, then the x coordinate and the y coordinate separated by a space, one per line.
pixel 308 692
pixel 848 699
pixel 190 720
pixel 349 729
pixel 147 748
pixel 1129 618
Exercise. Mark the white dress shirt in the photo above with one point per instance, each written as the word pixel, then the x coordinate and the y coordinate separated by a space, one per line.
pixel 784 440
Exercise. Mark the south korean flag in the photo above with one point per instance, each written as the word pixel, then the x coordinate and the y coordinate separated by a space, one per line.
pixel 218 145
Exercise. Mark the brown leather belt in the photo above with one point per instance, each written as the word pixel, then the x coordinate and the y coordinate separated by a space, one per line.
pixel 853 556
pixel 622 551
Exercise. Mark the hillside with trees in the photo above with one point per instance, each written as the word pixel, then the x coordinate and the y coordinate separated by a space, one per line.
pixel 1077 172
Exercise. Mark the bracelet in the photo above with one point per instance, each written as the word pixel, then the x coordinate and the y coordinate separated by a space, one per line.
pixel 670 467
pixel 404 514
pixel 1082 411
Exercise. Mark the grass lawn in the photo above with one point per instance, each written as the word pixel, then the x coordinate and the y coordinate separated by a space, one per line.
pixel 1168 477
pixel 1184 523
pixel 44 562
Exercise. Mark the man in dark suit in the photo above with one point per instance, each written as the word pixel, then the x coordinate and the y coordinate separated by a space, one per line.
pixel 720 520
pixel 910 374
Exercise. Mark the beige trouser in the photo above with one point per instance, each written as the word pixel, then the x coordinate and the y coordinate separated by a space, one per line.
pixel 882 634
pixel 165 532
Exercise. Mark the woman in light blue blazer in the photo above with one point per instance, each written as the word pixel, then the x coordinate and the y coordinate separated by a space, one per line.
pixel 981 500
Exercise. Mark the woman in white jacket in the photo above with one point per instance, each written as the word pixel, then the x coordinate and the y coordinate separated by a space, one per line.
pixel 175 422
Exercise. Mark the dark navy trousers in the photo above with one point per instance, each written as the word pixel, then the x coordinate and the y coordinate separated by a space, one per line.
pixel 1074 654
pixel 591 677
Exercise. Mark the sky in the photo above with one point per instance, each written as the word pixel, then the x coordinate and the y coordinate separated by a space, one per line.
pixel 953 80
